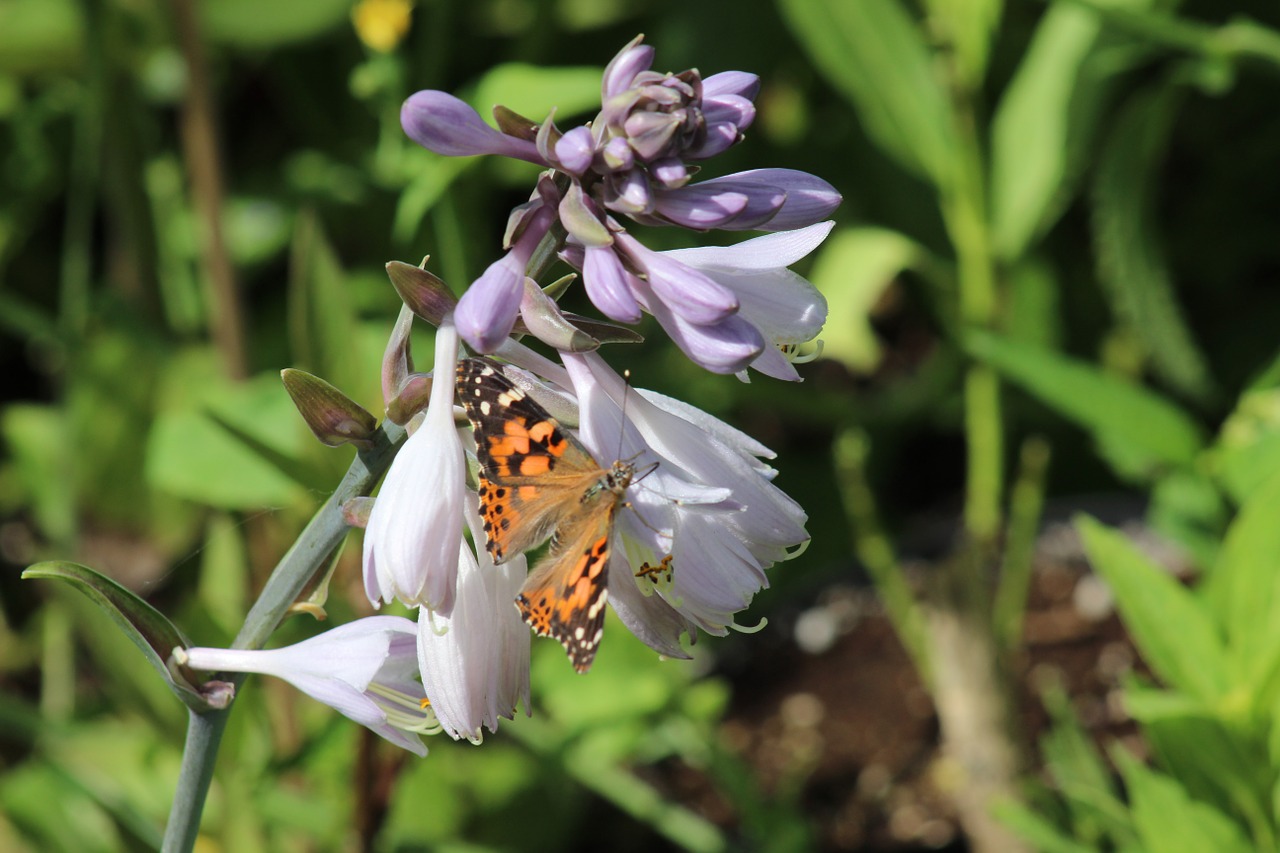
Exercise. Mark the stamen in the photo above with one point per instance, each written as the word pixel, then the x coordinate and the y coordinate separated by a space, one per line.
pixel 404 712
pixel 754 629
pixel 659 573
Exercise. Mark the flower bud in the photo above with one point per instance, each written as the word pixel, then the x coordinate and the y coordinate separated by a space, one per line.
pixel 333 416
pixel 425 294
pixel 410 398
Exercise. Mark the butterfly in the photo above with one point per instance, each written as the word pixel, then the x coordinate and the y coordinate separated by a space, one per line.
pixel 536 481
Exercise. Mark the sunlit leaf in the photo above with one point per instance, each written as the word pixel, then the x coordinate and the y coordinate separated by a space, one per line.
pixel 874 52
pixel 1111 409
pixel 1131 261
pixel 250 24
pixel 852 271
pixel 533 90
pixel 1040 127
pixel 1171 628
pixel 1170 820
pixel 1245 589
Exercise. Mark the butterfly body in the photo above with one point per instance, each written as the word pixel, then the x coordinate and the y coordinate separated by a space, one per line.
pixel 537 481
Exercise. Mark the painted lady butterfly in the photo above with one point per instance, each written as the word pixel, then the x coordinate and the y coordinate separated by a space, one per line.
pixel 536 480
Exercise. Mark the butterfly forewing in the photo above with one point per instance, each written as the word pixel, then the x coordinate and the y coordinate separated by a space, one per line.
pixel 532 471
pixel 537 480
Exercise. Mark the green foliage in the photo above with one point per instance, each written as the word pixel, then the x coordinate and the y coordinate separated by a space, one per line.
pixel 1074 197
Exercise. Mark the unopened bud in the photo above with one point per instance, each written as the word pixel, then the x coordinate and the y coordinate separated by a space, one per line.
pixel 333 416
pixel 543 318
pixel 410 398
pixel 425 294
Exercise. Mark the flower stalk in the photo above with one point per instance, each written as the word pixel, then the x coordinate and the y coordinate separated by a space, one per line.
pixel 309 554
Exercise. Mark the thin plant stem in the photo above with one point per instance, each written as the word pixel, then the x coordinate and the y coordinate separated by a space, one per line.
pixel 204 168
pixel 1025 506
pixel 309 554
pixel 876 551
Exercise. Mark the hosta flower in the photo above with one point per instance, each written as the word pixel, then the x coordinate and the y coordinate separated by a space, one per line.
pixel 414 530
pixel 476 660
pixel 366 669
pixel 631 161
pixel 709 505
pixel 782 306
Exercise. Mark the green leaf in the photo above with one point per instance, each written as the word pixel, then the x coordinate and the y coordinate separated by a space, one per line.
pixel 1171 628
pixel 154 635
pixel 1111 409
pixel 1247 454
pixel 224 573
pixel 1131 263
pixel 1041 128
pixel 253 25
pixel 36 437
pixel 322 320
pixel 1170 820
pixel 1244 588
pixel 852 271
pixel 968 27
pixel 1037 830
pixel 876 55
pixel 533 90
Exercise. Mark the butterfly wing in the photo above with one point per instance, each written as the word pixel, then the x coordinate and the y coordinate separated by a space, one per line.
pixel 565 596
pixel 533 473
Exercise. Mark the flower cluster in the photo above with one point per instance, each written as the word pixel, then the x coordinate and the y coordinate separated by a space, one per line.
pixel 634 161
pixel 688 546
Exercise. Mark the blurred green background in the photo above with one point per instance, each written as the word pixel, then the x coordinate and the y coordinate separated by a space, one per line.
pixel 195 195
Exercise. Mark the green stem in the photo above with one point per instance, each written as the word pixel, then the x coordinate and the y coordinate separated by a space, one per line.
pixel 1025 507
pixel 964 209
pixel 308 555
pixel 876 551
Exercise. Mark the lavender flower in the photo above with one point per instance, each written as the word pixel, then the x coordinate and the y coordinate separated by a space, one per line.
pixel 634 161
pixel 366 669
pixel 475 661
pixel 414 530
pixel 709 505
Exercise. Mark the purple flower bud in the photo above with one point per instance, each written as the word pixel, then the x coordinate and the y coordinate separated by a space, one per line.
pixel 628 193
pixel 575 150
pixel 690 294
pixel 734 109
pixel 809 199
pixel 616 156
pixel 702 206
pixel 651 132
pixel 487 311
pixel 719 137
pixel 671 172
pixel 741 83
pixel 446 125
pixel 623 68
pixel 608 285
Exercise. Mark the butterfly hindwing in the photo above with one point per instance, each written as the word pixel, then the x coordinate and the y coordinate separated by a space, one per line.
pixel 565 596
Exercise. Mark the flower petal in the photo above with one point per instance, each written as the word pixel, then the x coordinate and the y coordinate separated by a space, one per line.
pixel 608 285
pixel 742 83
pixel 809 199
pixel 447 125
pixel 411 541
